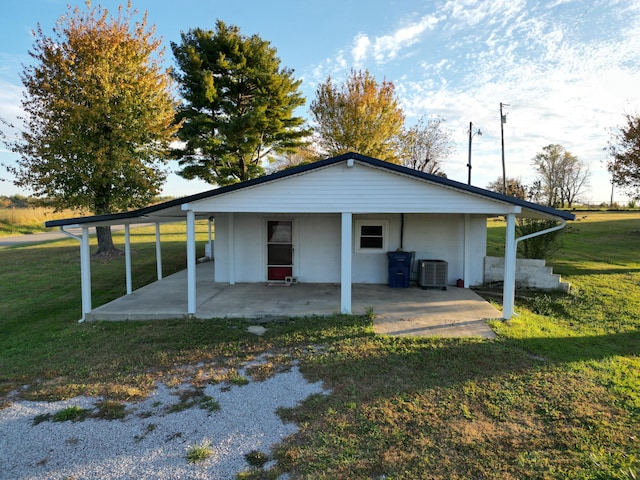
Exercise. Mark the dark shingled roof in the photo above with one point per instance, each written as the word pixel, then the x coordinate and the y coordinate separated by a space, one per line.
pixel 172 210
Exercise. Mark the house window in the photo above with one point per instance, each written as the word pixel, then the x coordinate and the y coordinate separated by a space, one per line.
pixel 371 236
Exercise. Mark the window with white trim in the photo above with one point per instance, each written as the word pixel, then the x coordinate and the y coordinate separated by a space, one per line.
pixel 371 236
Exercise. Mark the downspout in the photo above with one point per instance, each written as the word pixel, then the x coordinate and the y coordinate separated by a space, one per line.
pixel 542 232
pixel 85 269
pixel 508 303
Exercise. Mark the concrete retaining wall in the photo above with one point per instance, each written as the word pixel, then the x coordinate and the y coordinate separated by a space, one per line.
pixel 530 273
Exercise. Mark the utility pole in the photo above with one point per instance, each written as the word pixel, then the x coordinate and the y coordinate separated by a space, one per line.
pixel 471 135
pixel 503 120
pixel 612 184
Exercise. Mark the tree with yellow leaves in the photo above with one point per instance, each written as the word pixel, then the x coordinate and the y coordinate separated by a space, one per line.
pixel 98 115
pixel 360 115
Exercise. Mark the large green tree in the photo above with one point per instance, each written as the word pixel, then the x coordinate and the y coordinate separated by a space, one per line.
pixel 360 115
pixel 624 148
pixel 98 115
pixel 238 105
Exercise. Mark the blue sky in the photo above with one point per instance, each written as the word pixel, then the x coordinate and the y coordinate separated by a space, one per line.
pixel 569 70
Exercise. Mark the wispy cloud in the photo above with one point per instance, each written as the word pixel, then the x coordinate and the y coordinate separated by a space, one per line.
pixel 379 49
pixel 388 46
pixel 561 67
pixel 10 96
pixel 361 46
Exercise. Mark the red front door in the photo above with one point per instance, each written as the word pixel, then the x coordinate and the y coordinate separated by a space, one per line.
pixel 279 249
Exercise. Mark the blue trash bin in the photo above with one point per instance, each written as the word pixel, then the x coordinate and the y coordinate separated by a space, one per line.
pixel 399 269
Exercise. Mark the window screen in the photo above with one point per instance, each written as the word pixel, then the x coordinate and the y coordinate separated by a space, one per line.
pixel 371 236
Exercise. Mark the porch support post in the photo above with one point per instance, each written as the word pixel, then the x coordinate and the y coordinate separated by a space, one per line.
pixel 467 245
pixel 158 252
pixel 232 250
pixel 85 272
pixel 191 262
pixel 210 236
pixel 127 257
pixel 345 263
pixel 210 239
pixel 509 286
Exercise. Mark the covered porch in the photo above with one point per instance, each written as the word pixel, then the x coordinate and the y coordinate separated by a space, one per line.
pixel 343 216
pixel 455 312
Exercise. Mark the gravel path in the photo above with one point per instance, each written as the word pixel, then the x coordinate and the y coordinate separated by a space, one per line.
pixel 150 442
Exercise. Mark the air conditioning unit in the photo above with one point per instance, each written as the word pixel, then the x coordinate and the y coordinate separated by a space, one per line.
pixel 432 274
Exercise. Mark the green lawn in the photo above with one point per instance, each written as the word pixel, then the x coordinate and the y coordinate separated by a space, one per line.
pixel 556 395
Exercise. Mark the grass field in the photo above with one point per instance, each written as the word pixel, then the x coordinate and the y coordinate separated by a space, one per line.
pixel 556 395
pixel 23 221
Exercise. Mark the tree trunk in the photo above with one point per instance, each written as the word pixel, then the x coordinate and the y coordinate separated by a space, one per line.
pixel 105 242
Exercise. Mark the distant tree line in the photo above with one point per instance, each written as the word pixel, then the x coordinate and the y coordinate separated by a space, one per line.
pixel 20 201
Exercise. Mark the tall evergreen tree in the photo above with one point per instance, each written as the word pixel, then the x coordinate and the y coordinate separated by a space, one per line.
pixel 98 115
pixel 238 105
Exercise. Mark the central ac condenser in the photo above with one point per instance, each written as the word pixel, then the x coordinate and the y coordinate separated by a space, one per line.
pixel 432 274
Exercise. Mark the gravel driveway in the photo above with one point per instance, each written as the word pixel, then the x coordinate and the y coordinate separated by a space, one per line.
pixel 153 439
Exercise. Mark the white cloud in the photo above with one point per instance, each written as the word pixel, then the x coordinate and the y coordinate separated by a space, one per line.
pixel 361 45
pixel 10 96
pixel 469 13
pixel 388 46
pixel 568 69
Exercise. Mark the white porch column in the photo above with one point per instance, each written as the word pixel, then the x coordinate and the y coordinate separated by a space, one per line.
pixel 232 250
pixel 127 257
pixel 509 286
pixel 85 272
pixel 158 252
pixel 466 270
pixel 191 262
pixel 210 240
pixel 345 262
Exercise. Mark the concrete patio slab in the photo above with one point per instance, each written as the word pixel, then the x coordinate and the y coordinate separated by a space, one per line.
pixel 397 311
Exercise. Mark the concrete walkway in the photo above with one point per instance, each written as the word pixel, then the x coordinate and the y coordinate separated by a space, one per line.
pixel 456 312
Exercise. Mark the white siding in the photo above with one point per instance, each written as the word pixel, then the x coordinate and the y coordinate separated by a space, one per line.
pixel 318 249
pixel 359 189
pixel 317 246
pixel 249 261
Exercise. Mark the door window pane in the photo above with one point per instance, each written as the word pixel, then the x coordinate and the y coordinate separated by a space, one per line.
pixel 279 232
pixel 280 254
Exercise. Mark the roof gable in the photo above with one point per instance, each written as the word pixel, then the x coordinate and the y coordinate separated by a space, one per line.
pixel 442 195
pixel 357 187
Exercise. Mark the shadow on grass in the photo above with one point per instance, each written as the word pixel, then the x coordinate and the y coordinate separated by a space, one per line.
pixel 376 366
pixel 583 348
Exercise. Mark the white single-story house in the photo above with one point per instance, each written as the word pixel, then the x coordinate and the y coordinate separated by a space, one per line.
pixel 333 221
